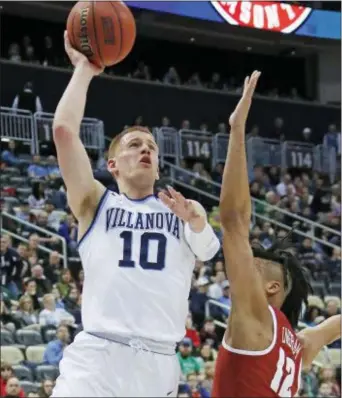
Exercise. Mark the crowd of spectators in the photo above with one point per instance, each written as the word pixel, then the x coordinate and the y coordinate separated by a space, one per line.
pixel 193 65
pixel 28 99
pixel 40 299
pixel 44 54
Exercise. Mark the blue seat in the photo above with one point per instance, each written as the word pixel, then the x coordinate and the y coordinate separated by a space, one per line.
pixel 23 373
pixel 28 337
pixel 46 372
pixel 7 337
pixel 28 387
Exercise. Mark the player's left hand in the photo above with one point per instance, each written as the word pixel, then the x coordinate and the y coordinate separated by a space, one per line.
pixel 181 207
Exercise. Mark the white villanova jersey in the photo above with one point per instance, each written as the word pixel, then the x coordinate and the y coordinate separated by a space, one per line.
pixel 138 269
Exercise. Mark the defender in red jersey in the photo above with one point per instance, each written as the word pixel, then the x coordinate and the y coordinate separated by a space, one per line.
pixel 261 355
pixel 272 372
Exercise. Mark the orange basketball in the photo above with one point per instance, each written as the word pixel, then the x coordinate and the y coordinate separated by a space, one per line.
pixel 104 31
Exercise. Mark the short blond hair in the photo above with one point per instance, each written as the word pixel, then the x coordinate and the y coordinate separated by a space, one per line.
pixel 116 140
pixel 22 299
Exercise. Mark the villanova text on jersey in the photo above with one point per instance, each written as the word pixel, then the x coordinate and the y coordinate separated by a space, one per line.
pixel 138 268
pixel 121 218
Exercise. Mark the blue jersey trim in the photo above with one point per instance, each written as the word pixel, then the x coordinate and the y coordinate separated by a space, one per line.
pixel 141 199
pixel 97 212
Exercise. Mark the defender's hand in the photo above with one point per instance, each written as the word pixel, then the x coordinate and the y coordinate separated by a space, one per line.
pixel 181 207
pixel 78 58
pixel 239 117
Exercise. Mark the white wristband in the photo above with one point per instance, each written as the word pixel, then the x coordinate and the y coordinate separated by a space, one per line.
pixel 204 244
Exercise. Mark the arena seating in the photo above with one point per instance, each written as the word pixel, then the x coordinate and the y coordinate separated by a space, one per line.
pixel 176 145
pixel 35 205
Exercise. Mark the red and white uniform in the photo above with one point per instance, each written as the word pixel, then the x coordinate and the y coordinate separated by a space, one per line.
pixel 273 372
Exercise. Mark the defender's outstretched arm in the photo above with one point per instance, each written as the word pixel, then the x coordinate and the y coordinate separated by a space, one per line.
pixel 235 213
pixel 315 338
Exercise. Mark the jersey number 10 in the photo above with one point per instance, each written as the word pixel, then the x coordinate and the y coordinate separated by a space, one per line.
pixel 145 240
pixel 282 387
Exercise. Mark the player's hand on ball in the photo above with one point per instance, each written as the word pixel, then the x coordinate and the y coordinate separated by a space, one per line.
pixel 239 117
pixel 78 58
pixel 181 207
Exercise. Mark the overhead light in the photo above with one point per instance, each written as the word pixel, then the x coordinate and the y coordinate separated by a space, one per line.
pixel 192 39
pixel 248 48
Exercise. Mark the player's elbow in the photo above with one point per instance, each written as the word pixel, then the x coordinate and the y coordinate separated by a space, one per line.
pixel 207 255
pixel 204 257
pixel 233 219
pixel 230 208
pixel 61 133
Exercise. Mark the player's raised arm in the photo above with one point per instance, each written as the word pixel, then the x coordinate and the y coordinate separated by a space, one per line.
pixel 315 338
pixel 83 191
pixel 235 212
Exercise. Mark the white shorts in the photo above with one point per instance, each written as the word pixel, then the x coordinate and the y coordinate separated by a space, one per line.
pixel 96 367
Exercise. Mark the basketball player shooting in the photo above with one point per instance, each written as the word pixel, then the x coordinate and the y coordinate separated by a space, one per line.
pixel 138 253
pixel 260 356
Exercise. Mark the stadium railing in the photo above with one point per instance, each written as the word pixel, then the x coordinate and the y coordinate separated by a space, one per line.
pixel 264 151
pixel 18 125
pixel 21 125
pixel 91 133
pixel 33 228
pixel 168 145
pixel 203 146
pixel 323 358
pixel 301 325
pixel 176 171
pixel 195 144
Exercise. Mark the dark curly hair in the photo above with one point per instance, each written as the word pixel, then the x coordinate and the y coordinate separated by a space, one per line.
pixel 296 284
